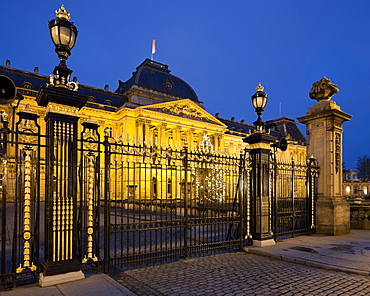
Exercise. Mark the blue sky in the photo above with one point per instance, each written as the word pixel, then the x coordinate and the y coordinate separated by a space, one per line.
pixel 221 48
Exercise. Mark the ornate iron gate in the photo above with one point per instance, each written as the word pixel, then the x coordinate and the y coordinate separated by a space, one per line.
pixel 136 203
pixel 294 198
pixel 166 204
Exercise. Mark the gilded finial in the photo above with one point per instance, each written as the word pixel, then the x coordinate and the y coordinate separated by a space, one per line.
pixel 63 13
pixel 260 87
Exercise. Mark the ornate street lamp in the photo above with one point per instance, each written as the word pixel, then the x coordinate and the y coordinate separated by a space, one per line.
pixel 259 101
pixel 62 104
pixel 63 34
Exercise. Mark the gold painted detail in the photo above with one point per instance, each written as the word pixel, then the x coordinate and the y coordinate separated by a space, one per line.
pixel 63 13
pixel 63 109
pixel 247 180
pixel 27 216
pixel 5 116
pixel 61 81
pixel 91 139
pixel 28 132
pixel 314 173
pixel 260 87
pixel 63 202
pixel 90 210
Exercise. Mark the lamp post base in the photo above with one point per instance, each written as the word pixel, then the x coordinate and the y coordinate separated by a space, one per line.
pixel 52 280
pixel 263 243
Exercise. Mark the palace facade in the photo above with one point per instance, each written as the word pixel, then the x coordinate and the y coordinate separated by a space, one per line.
pixel 154 108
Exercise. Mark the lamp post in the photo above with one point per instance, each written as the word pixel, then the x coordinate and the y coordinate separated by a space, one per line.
pixel 62 102
pixel 259 101
pixel 259 144
pixel 63 33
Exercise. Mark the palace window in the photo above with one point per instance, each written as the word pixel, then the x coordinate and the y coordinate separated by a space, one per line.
pixel 169 187
pixel 27 85
pixel 154 187
pixel 184 141
pixel 170 138
pixel 143 133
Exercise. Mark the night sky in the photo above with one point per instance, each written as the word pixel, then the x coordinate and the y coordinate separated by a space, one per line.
pixel 221 48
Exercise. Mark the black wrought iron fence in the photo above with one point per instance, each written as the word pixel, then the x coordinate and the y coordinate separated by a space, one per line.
pixel 22 176
pixel 135 203
pixel 164 203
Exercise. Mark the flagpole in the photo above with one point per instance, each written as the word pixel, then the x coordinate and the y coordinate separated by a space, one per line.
pixel 153 48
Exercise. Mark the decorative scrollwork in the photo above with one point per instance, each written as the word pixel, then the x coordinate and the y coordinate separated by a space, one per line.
pixel 28 131
pixel 90 210
pixel 61 81
pixel 90 138
pixel 27 215
pixel 63 109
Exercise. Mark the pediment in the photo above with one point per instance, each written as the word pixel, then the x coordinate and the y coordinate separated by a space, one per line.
pixel 184 109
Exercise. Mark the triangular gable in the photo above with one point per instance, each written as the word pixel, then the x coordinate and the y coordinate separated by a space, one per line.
pixel 185 108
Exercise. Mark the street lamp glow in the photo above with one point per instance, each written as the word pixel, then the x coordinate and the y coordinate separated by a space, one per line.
pixel 259 101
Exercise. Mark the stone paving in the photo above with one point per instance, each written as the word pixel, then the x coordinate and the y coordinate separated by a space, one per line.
pixel 241 273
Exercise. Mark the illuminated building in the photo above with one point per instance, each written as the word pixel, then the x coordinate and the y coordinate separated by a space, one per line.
pixel 154 107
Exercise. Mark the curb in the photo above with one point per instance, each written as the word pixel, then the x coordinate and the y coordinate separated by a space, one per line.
pixel 305 262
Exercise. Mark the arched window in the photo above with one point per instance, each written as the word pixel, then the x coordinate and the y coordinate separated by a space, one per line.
pixel 348 190
pixel 27 85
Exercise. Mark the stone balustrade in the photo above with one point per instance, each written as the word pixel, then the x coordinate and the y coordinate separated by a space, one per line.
pixel 360 216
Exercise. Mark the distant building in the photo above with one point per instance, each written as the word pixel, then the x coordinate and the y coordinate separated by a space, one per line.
pixel 354 189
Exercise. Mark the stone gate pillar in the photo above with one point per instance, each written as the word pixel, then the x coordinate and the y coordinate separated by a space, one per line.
pixel 324 137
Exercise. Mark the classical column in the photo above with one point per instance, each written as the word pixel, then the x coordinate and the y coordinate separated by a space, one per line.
pixel 324 136
pixel 139 130
pixel 177 136
pixel 146 131
pixel 161 134
pixel 190 137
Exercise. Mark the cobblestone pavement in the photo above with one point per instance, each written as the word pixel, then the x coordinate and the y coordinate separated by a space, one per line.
pixel 241 274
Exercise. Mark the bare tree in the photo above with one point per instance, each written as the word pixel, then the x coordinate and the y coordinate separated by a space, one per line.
pixel 363 167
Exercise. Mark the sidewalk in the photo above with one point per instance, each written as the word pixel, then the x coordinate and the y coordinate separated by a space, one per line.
pixel 349 253
pixel 93 285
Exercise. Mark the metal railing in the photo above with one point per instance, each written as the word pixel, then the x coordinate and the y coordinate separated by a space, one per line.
pixel 294 198
pixel 136 204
